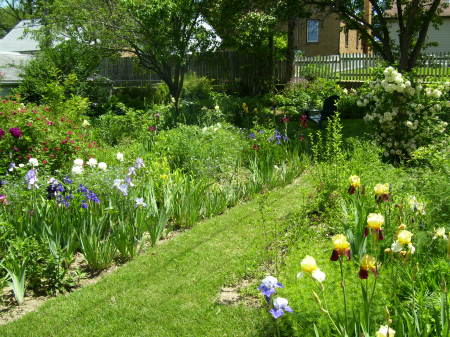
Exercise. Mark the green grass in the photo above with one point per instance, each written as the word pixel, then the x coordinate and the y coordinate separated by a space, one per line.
pixel 172 289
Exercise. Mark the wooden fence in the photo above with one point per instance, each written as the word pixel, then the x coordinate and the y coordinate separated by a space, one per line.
pixel 360 67
pixel 223 67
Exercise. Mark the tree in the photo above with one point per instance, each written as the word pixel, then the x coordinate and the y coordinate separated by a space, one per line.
pixel 163 35
pixel 413 17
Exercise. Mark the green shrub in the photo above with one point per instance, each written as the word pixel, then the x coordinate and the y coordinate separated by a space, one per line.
pixel 52 136
pixel 202 152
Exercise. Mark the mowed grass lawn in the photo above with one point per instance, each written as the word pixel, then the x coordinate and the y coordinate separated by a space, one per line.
pixel 172 289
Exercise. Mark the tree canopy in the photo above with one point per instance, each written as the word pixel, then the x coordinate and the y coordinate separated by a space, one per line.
pixel 163 35
pixel 413 18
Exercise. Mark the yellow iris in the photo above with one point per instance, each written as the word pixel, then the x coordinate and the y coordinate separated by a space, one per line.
pixel 368 262
pixel 404 237
pixel 375 221
pixel 381 189
pixel 355 181
pixel 340 242
pixel 308 264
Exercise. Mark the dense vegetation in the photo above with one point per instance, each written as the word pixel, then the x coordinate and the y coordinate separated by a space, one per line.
pixel 102 183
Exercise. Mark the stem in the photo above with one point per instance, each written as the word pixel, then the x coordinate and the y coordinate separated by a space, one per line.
pixel 278 328
pixel 344 292
pixel 367 305
pixel 327 311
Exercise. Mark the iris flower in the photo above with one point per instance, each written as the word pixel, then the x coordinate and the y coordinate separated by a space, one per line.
pixel 140 202
pixel 375 223
pixel 31 179
pixel 268 285
pixel 341 247
pixel 382 192
pixel 280 306
pixel 368 263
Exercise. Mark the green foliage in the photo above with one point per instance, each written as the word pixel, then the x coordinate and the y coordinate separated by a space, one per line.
pixel 58 73
pixel 52 136
pixel 208 151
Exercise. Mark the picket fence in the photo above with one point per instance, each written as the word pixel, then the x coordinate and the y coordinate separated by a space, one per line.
pixel 360 67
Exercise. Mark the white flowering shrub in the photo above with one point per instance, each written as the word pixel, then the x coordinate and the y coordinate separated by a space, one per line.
pixel 404 114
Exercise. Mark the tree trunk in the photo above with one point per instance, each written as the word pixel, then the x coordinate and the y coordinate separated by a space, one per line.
pixel 290 55
pixel 271 63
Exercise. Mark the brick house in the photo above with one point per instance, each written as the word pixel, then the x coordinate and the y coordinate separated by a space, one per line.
pixel 323 33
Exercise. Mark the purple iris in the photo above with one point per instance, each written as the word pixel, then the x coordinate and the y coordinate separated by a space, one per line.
pixel 132 170
pixel 12 166
pixel 31 179
pixel 54 188
pixel 280 305
pixel 277 136
pixel 252 136
pixel 128 180
pixel 90 195
pixel 15 132
pixel 268 285
pixel 64 200
pixel 67 180
pixel 84 204
pixel 83 189
pixel 123 188
pixel 139 163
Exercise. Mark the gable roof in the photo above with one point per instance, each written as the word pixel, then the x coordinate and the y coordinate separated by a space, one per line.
pixel 15 41
pixel 392 12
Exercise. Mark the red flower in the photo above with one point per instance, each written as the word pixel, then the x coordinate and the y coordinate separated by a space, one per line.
pixel 29 124
pixel 255 147
pixel 44 162
pixel 50 123
pixel 45 149
pixel 285 119
pixel 304 121
pixel 69 133
pixel 152 128
pixel 46 109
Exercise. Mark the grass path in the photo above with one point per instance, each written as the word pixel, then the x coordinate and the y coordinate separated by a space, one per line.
pixel 171 290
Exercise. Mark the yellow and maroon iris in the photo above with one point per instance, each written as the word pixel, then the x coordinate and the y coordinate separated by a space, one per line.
pixel 368 263
pixel 341 247
pixel 375 223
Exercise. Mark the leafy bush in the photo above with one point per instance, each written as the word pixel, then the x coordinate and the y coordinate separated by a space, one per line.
pixel 59 72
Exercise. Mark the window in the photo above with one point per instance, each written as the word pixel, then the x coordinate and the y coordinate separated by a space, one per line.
pixel 312 31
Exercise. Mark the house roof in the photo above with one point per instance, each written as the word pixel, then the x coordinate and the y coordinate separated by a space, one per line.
pixel 15 41
pixel 392 13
